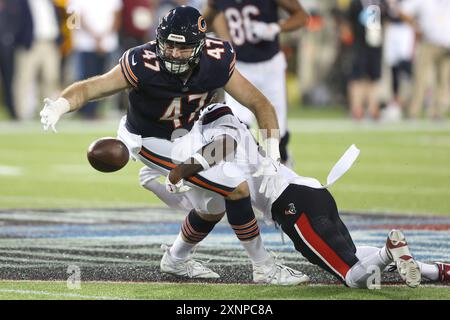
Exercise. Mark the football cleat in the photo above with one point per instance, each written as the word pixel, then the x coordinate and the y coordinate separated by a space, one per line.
pixel 188 268
pixel 444 271
pixel 397 249
pixel 270 272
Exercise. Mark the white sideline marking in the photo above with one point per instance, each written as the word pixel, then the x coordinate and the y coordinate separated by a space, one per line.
pixel 10 171
pixel 59 295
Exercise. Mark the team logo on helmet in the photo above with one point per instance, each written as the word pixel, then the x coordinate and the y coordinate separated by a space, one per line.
pixel 201 24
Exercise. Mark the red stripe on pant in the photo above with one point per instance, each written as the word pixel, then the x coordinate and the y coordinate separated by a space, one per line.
pixel 324 251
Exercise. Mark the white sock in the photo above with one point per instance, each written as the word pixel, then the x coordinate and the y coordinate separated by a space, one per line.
pixel 429 271
pixel 256 250
pixel 359 274
pixel 174 201
pixel 384 256
pixel 180 249
pixel 365 251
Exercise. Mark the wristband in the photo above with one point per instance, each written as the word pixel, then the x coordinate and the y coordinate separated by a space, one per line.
pixel 61 106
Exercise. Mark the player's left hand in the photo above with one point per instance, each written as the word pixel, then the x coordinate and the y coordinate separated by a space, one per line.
pixel 266 31
pixel 269 171
pixel 178 187
pixel 52 111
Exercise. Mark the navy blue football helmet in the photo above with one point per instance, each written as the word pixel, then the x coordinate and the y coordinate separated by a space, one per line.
pixel 185 28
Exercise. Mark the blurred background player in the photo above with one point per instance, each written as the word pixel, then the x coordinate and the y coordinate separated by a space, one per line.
pixel 431 21
pixel 37 57
pixel 398 53
pixel 365 18
pixel 9 29
pixel 254 27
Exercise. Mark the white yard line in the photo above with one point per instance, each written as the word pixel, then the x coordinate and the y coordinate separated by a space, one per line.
pixel 60 295
pixel 10 171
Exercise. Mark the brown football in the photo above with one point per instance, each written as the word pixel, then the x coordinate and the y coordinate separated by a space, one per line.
pixel 108 154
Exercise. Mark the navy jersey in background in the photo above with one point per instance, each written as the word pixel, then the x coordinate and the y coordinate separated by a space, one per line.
pixel 239 15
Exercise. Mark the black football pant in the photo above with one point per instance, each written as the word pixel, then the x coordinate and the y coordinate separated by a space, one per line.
pixel 311 220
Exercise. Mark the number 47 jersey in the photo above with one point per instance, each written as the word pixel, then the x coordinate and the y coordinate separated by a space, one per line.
pixel 161 102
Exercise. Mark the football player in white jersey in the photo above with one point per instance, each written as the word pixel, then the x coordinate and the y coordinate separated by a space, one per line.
pixel 304 209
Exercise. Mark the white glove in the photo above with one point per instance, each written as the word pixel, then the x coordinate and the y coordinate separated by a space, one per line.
pixel 265 31
pixel 272 148
pixel 52 111
pixel 179 187
pixel 269 171
pixel 269 167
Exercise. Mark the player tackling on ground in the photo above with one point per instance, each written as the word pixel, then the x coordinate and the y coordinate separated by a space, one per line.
pixel 305 210
pixel 169 81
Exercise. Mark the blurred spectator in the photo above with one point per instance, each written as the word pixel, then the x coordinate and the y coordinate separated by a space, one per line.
pixel 137 20
pixel 37 56
pixel 137 28
pixel 365 21
pixel 9 18
pixel 95 38
pixel 340 71
pixel 309 53
pixel 66 38
pixel 431 20
pixel 398 54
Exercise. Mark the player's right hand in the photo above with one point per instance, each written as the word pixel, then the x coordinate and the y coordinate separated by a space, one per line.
pixel 269 170
pixel 178 187
pixel 52 111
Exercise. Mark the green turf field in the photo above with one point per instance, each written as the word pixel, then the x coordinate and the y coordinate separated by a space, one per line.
pixel 403 168
pixel 106 291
